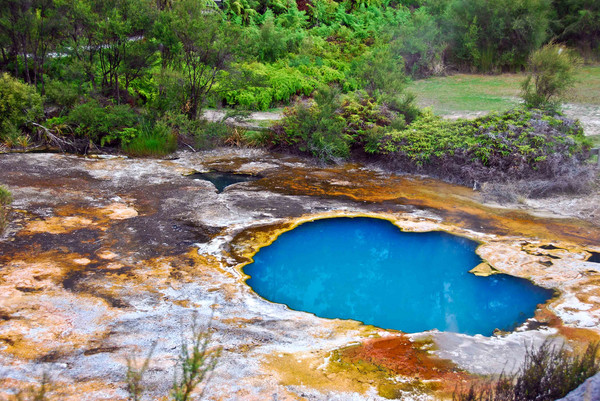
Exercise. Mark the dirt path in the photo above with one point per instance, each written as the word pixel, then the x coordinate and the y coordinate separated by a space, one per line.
pixel 588 114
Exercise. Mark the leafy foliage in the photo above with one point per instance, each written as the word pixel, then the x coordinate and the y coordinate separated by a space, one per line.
pixel 103 124
pixel 497 35
pixel 150 140
pixel 114 72
pixel 20 105
pixel 551 72
pixel 576 23
pixel 316 127
pixel 515 144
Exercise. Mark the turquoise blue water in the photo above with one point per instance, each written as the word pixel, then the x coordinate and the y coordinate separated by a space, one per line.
pixel 368 270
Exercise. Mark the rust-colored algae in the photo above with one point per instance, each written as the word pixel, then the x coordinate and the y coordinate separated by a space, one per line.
pixel 400 355
pixel 394 366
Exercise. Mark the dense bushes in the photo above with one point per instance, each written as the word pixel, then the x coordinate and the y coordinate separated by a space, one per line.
pixel 576 23
pixel 550 72
pixel 497 35
pixel 316 127
pixel 20 105
pixel 102 124
pixel 137 73
pixel 517 144
pixel 512 145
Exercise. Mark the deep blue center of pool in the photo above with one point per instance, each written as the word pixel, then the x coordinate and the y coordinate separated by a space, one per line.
pixel 368 270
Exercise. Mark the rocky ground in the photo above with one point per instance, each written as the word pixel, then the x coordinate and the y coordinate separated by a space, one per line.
pixel 105 257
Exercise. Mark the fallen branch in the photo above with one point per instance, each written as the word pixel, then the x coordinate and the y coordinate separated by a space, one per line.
pixel 61 143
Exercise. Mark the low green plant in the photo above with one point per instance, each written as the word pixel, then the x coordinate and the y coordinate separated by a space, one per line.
pixel 513 145
pixel 196 362
pixel 36 392
pixel 279 82
pixel 20 105
pixel 5 200
pixel 135 374
pixel 547 374
pixel 209 134
pixel 257 138
pixel 149 140
pixel 551 71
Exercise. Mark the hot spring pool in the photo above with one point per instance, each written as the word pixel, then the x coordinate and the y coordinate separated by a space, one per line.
pixel 368 270
pixel 222 180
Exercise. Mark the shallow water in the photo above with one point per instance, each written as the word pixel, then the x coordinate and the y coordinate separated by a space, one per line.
pixel 595 257
pixel 368 270
pixel 222 180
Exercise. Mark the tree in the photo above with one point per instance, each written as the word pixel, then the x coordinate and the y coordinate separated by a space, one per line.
pixel 125 51
pixel 492 35
pixel 81 36
pixel 551 71
pixel 30 29
pixel 576 23
pixel 206 49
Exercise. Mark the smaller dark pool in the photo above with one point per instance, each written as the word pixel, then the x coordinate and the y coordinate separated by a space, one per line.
pixel 595 257
pixel 222 180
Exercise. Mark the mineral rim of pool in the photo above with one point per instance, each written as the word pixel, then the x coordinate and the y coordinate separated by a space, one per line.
pixel 369 270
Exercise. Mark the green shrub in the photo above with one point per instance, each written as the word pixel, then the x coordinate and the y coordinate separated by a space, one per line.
pixel 197 359
pixel 380 71
pixel 280 83
pixel 272 41
pixel 169 96
pixel 316 127
pixel 61 94
pixel 253 138
pixel 212 134
pixel 103 124
pixel 19 105
pixel 551 71
pixel 196 362
pixel 575 23
pixel 421 44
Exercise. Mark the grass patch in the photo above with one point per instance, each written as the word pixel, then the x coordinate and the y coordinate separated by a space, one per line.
pixel 467 94
pixel 151 141
pixel 5 200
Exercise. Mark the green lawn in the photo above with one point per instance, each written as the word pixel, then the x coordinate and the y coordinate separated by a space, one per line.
pixel 474 93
